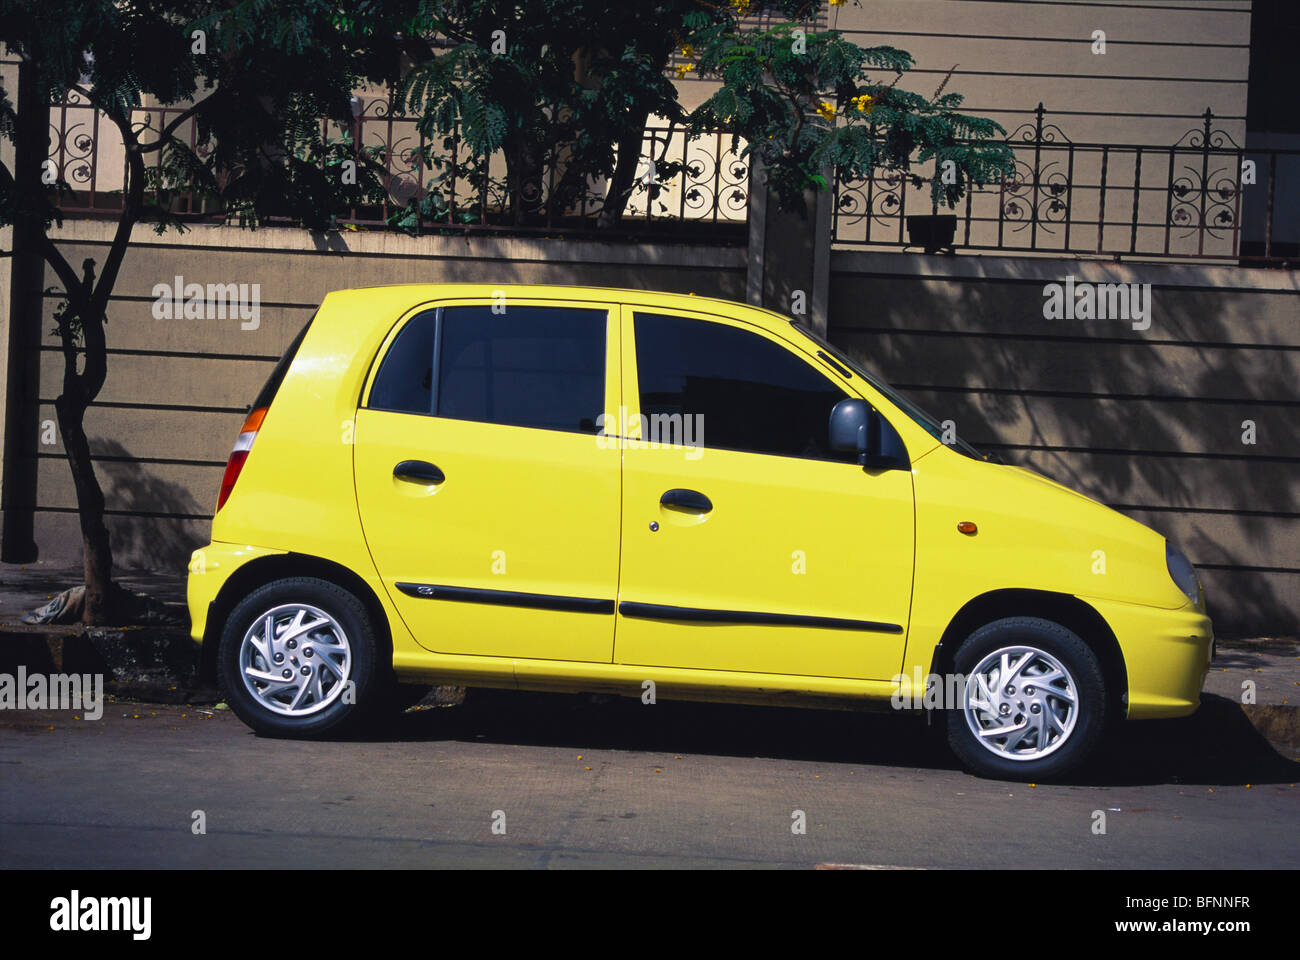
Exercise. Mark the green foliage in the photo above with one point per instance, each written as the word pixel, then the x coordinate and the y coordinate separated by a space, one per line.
pixel 805 101
pixel 256 91
pixel 553 86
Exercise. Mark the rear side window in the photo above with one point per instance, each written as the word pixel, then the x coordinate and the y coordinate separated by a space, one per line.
pixel 541 367
pixel 752 394
pixel 405 379
pixel 272 385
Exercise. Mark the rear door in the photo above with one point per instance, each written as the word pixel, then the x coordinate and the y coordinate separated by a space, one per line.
pixel 489 505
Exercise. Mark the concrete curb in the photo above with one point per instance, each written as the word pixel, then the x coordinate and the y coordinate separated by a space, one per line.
pixel 157 664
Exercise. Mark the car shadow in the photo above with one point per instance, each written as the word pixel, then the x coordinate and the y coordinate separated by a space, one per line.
pixel 1216 745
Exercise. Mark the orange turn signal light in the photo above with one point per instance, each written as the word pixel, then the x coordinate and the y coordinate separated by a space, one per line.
pixel 967 528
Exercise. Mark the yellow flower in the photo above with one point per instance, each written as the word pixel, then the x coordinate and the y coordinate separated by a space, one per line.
pixel 865 103
pixel 688 50
pixel 836 3
pixel 742 7
pixel 827 110
pixel 683 69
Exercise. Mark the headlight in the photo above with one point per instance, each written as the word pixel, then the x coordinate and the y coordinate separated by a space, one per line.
pixel 1182 572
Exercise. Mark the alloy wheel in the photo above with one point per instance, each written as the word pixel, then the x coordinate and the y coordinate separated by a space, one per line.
pixel 295 660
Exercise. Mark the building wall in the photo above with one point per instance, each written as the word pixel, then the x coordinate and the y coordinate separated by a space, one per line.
pixel 1165 60
pixel 177 390
pixel 1149 421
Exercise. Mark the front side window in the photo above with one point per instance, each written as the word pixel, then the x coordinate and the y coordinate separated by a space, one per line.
pixel 529 366
pixel 752 394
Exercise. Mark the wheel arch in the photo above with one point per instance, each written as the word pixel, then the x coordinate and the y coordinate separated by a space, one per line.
pixel 1061 608
pixel 263 570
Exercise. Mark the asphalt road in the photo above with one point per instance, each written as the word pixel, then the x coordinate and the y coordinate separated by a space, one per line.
pixel 621 784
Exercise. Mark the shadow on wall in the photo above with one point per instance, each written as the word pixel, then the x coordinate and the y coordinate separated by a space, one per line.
pixel 155 524
pixel 1151 421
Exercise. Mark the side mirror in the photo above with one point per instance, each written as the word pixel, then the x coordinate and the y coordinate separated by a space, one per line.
pixel 857 428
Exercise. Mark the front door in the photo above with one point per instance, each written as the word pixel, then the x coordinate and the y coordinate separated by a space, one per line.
pixel 748 545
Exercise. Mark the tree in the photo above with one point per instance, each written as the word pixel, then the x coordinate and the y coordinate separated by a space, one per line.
pixel 571 83
pixel 806 101
pixel 255 79
pixel 562 88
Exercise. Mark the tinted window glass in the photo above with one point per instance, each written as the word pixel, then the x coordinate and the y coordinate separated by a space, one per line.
pixel 527 367
pixel 272 385
pixel 405 379
pixel 753 394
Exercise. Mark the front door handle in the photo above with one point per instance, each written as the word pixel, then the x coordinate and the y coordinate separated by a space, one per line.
pixel 691 500
pixel 418 471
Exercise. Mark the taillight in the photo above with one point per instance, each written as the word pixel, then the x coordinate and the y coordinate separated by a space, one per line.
pixel 243 444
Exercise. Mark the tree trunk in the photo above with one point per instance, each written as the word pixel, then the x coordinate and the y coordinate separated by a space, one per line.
pixel 97 556
pixel 620 185
pixel 79 389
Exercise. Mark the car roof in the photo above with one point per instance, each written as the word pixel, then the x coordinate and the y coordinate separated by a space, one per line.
pixel 401 297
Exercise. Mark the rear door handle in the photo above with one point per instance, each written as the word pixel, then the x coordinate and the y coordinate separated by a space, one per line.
pixel 418 471
pixel 691 500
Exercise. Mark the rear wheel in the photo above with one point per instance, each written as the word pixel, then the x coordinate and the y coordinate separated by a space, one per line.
pixel 299 657
pixel 1033 704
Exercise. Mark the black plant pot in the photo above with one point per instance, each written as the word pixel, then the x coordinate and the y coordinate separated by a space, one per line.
pixel 934 232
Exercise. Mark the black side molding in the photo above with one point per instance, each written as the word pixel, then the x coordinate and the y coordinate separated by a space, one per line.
pixel 656 611
pixel 509 598
pixel 830 362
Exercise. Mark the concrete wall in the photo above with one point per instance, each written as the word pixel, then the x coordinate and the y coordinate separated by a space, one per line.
pixel 1165 60
pixel 1149 421
pixel 177 390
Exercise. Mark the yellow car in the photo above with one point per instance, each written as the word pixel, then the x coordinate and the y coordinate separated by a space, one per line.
pixel 656 495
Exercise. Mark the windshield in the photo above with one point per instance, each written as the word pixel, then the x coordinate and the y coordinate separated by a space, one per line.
pixel 926 421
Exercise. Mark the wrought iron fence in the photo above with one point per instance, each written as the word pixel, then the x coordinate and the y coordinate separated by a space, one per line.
pixel 1204 197
pixel 435 183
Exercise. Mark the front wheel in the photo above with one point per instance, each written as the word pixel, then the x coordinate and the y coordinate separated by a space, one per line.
pixel 299 657
pixel 1033 701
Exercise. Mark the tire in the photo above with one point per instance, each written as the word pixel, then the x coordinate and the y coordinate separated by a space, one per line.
pixel 1051 727
pixel 337 679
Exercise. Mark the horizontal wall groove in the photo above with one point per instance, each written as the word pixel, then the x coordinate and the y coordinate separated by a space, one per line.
pixel 1216 511
pixel 1114 451
pixel 1111 6
pixel 175 354
pixel 841 253
pixel 1086 41
pixel 160 461
pixel 150 514
pixel 232 311
pixel 1065 338
pixel 127 405
pixel 1087 395
pixel 1016 75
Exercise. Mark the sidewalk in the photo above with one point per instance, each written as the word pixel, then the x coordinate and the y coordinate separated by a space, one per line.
pixel 157 662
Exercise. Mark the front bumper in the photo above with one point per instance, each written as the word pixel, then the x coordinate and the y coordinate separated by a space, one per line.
pixel 1166 655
